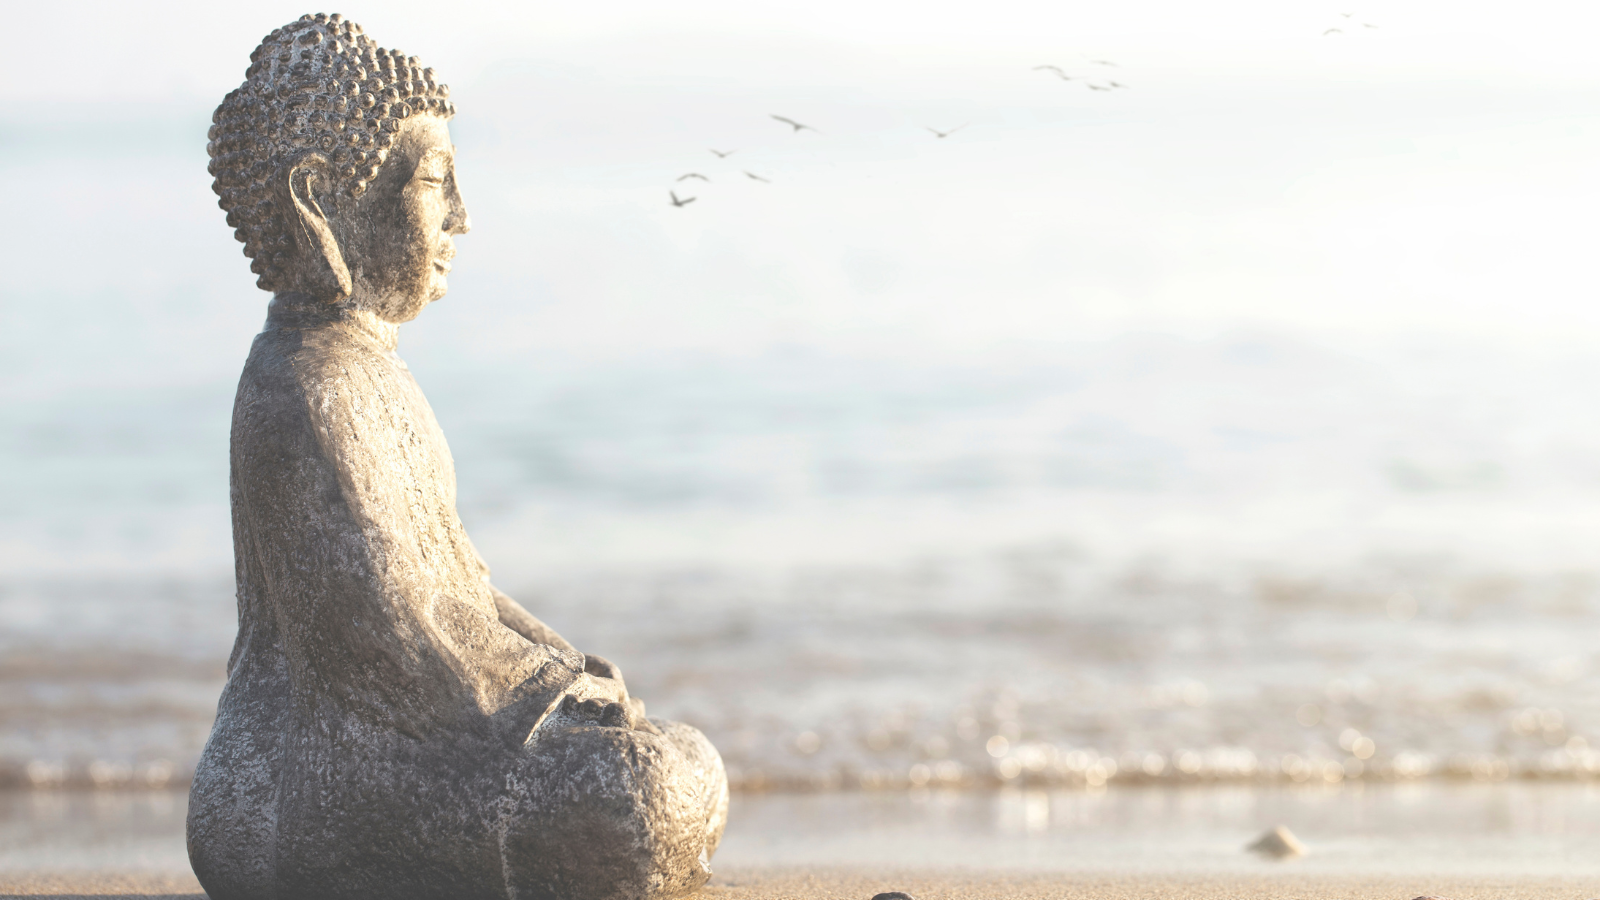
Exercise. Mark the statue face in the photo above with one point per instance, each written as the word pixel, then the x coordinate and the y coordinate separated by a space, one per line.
pixel 398 238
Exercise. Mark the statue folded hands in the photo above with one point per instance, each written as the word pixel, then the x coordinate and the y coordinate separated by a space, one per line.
pixel 394 726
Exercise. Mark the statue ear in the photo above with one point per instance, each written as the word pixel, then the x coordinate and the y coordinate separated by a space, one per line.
pixel 322 270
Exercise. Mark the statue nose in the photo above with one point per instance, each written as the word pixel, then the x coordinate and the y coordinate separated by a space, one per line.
pixel 458 221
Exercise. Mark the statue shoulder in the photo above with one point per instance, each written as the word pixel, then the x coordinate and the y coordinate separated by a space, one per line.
pixel 306 365
pixel 302 383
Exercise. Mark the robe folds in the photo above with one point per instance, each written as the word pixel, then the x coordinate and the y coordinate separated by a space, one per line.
pixel 384 731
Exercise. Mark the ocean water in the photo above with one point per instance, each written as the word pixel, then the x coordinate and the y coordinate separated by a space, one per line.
pixel 859 560
pixel 865 575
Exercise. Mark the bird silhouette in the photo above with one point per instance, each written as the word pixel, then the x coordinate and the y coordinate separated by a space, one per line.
pixel 693 175
pixel 796 125
pixel 722 154
pixel 944 134
pixel 679 202
pixel 757 177
pixel 1332 31
pixel 1056 69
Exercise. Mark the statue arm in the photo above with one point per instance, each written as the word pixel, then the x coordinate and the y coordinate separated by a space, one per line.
pixel 525 623
pixel 513 615
pixel 518 619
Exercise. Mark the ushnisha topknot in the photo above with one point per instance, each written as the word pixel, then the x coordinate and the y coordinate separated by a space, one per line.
pixel 317 85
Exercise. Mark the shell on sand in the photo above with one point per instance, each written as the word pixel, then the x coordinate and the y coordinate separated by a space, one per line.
pixel 1279 842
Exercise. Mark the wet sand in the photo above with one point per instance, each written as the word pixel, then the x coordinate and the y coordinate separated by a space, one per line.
pixel 1493 841
pixel 856 884
pixel 826 884
pixel 99 885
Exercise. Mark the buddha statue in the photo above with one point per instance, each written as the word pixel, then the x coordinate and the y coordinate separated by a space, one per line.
pixel 393 726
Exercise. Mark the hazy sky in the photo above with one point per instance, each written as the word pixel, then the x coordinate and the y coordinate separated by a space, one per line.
pixel 137 50
pixel 1435 173
pixel 1430 179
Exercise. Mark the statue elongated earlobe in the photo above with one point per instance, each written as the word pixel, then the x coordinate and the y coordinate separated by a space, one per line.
pixel 323 272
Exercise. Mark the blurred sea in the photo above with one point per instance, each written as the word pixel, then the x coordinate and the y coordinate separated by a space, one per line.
pixel 1260 555
pixel 1155 559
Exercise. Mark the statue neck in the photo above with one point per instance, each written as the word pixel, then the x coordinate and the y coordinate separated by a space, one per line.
pixel 295 310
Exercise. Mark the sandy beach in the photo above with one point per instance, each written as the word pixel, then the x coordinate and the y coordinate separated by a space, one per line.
pixel 857 884
pixel 777 884
pixel 1500 841
pixel 98 884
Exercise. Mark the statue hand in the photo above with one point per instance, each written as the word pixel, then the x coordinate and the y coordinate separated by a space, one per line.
pixel 600 667
pixel 627 713
pixel 608 675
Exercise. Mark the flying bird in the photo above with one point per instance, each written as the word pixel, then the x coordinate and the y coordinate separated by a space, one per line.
pixel 944 134
pixel 1098 87
pixel 693 175
pixel 758 177
pixel 1332 31
pixel 722 154
pixel 676 201
pixel 1056 69
pixel 796 125
pixel 1116 84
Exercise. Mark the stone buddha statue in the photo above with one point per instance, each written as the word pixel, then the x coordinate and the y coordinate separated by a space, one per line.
pixel 393 726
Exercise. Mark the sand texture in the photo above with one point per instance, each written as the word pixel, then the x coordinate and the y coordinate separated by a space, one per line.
pixel 848 884
pixel 778 884
pixel 99 885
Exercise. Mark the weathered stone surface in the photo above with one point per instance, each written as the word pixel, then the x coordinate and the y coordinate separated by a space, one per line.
pixel 393 726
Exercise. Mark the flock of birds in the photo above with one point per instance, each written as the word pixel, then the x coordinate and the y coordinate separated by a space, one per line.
pixel 724 154
pixel 1346 17
pixel 938 134
pixel 1088 81
pixel 1093 79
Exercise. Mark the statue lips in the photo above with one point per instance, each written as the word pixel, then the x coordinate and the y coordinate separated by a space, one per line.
pixel 443 262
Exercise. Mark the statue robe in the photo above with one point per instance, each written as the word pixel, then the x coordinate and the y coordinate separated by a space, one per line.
pixel 382 732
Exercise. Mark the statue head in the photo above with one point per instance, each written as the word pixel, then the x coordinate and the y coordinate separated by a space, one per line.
pixel 334 164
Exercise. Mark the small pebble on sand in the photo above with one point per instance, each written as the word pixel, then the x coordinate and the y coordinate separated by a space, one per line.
pixel 1279 842
pixel 893 895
